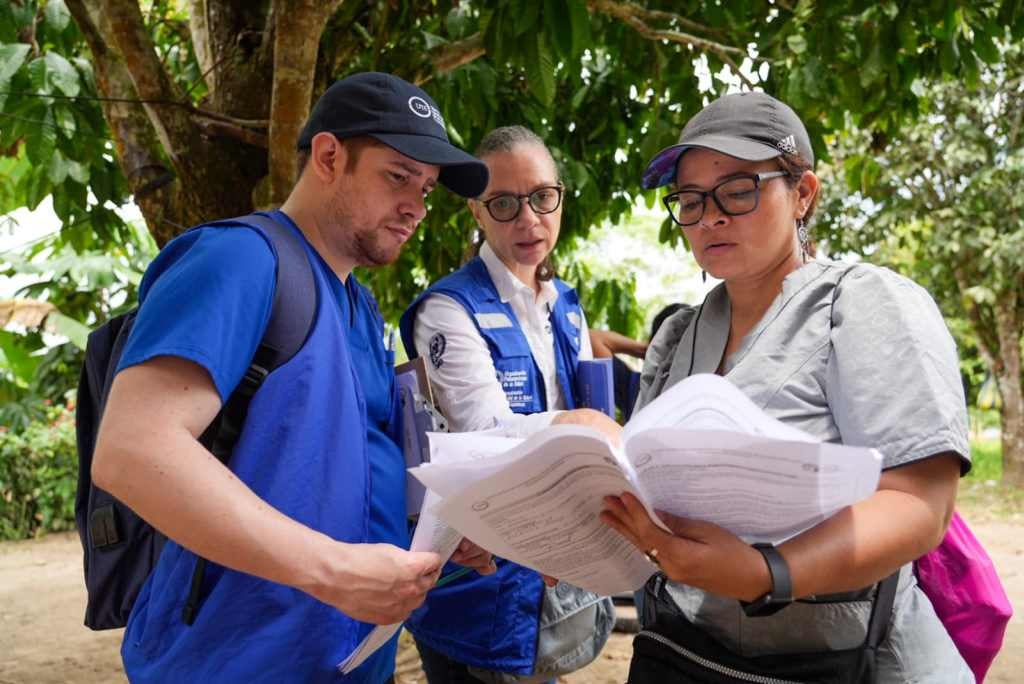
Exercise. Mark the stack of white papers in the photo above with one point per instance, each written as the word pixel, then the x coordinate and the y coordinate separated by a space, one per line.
pixel 702 450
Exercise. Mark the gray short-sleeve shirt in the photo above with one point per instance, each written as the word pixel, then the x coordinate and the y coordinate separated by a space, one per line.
pixel 853 354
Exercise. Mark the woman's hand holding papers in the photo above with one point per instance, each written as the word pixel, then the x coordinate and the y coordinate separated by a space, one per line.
pixel 700 554
pixel 592 419
pixel 472 556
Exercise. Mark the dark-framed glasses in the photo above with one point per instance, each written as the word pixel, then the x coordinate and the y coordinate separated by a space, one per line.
pixel 506 207
pixel 734 197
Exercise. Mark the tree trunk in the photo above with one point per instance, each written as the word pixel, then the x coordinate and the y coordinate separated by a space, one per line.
pixel 294 71
pixel 153 185
pixel 1012 418
pixel 1008 327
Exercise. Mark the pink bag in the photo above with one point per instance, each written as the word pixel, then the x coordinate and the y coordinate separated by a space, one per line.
pixel 961 582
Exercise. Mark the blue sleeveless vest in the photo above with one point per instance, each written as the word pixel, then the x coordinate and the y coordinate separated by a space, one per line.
pixel 491 621
pixel 520 378
pixel 304 451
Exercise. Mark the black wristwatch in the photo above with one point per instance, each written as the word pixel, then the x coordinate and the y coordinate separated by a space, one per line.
pixel 781 593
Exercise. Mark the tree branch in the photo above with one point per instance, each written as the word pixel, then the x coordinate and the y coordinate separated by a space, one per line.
pixel 659 15
pixel 636 16
pixel 451 56
pixel 173 125
pixel 260 125
pixel 135 140
pixel 988 340
pixel 199 25
pixel 219 128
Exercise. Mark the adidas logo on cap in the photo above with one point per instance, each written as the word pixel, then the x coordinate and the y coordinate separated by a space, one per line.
pixel 787 144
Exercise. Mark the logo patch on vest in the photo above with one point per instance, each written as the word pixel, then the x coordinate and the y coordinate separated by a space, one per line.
pixel 437 346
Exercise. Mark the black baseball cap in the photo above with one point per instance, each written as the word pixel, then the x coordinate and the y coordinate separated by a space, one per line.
pixel 401 116
pixel 751 126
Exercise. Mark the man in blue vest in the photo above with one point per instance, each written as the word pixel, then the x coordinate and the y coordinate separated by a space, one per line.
pixel 305 529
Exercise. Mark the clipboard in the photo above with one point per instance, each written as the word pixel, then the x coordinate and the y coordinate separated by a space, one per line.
pixel 419 416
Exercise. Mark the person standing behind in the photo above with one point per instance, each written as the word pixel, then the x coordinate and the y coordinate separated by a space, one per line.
pixel 304 530
pixel 502 337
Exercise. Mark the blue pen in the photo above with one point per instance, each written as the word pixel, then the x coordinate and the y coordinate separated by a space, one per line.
pixel 391 344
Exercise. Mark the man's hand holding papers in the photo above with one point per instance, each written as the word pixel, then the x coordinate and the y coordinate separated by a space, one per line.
pixel 435 537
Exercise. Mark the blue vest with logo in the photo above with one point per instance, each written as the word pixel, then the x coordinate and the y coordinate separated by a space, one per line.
pixel 306 450
pixel 491 621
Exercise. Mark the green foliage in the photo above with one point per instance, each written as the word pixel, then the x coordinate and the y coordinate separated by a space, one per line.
pixel 606 98
pixel 607 84
pixel 86 290
pixel 942 204
pixel 38 476
pixel 986 461
pixel 60 143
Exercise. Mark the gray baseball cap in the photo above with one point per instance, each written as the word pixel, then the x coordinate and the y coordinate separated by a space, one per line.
pixel 750 126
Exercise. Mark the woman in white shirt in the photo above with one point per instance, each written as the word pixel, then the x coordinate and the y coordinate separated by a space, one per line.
pixel 502 337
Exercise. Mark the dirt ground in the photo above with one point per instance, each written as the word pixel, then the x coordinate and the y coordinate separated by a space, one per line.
pixel 42 640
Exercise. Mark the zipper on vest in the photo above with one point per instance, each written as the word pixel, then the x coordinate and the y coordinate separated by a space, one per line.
pixel 712 665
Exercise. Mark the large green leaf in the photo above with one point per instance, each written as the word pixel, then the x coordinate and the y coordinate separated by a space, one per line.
pixel 15 357
pixel 57 15
pixel 540 68
pixel 41 139
pixel 11 59
pixel 60 324
pixel 37 77
pixel 57 170
pixel 62 74
pixel 558 26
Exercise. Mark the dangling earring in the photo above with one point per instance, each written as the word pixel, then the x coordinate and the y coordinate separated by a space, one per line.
pixel 704 276
pixel 802 236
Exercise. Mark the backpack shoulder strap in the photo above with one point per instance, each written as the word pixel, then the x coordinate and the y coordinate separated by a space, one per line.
pixel 294 305
pixel 291 320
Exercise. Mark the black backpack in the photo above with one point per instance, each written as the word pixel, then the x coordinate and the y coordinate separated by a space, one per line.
pixel 120 547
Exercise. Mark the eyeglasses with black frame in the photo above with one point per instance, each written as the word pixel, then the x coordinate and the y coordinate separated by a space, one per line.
pixel 734 197
pixel 506 207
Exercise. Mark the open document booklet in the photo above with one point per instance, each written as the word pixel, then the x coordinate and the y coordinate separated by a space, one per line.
pixel 701 450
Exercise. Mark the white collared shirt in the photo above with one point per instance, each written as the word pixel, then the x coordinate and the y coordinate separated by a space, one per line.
pixel 465 386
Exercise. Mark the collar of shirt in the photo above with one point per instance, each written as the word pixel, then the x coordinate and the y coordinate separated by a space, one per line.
pixel 509 286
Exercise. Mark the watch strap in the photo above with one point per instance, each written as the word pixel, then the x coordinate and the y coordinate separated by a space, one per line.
pixel 781 593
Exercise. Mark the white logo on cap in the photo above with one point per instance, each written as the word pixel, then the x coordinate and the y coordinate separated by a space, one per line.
pixel 423 109
pixel 787 144
pixel 419 106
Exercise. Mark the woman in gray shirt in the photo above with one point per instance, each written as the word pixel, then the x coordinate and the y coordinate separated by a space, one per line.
pixel 848 353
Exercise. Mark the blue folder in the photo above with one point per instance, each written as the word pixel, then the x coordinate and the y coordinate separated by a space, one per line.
pixel 595 386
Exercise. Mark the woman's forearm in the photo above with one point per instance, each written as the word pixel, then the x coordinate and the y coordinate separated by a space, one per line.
pixel 869 540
